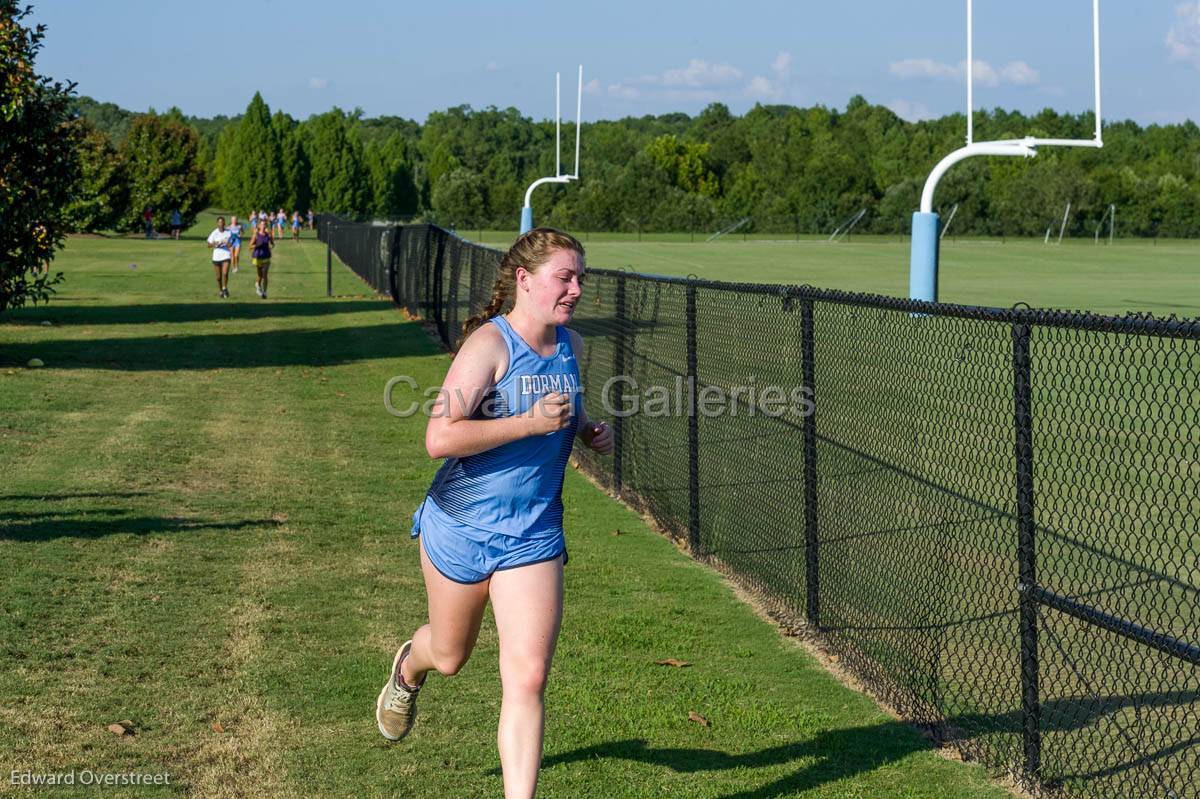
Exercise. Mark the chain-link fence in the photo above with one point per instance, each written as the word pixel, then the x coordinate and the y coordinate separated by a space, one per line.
pixel 991 517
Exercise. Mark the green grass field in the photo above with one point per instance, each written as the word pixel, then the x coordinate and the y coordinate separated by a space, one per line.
pixel 204 529
pixel 1132 275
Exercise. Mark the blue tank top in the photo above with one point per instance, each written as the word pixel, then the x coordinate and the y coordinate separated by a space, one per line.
pixel 516 488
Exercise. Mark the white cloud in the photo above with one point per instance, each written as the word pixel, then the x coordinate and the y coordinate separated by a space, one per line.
pixel 493 66
pixel 624 92
pixel 1183 38
pixel 698 74
pixel 703 82
pixel 984 75
pixel 318 83
pixel 913 112
pixel 592 86
pixel 760 88
pixel 921 68
pixel 1017 73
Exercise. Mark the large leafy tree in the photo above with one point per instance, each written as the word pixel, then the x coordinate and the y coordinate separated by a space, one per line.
pixel 163 158
pixel 39 164
pixel 339 178
pixel 686 163
pixel 102 194
pixel 458 198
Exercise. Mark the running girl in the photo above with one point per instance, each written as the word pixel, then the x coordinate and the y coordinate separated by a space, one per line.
pixel 260 255
pixel 491 526
pixel 218 242
pixel 235 243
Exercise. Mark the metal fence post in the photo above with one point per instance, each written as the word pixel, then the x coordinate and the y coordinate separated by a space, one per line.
pixel 619 371
pixel 812 582
pixel 329 261
pixel 397 236
pixel 439 267
pixel 693 427
pixel 1031 711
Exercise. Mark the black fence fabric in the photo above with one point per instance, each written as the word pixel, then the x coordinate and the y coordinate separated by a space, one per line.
pixel 991 516
pixel 368 249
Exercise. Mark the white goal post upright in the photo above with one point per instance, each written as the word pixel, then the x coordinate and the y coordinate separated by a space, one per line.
pixel 727 230
pixel 558 176
pixel 1110 215
pixel 1063 227
pixel 923 264
pixel 843 230
pixel 949 221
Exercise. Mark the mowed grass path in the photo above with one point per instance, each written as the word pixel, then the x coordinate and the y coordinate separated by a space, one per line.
pixel 204 530
pixel 1132 275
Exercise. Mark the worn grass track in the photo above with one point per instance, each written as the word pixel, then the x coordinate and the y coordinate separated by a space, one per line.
pixel 203 520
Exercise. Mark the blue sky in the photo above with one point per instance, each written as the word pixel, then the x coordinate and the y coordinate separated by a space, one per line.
pixel 410 58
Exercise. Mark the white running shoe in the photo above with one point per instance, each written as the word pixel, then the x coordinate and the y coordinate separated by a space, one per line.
pixel 396 707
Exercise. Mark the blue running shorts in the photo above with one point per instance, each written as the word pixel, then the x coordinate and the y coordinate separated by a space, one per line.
pixel 466 554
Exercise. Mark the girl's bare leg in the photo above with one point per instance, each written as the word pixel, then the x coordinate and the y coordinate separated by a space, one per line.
pixel 455 613
pixel 527 602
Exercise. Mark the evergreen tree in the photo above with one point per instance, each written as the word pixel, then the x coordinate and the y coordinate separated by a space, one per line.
pixel 162 158
pixel 393 191
pixel 253 169
pixel 339 178
pixel 296 169
pixel 218 177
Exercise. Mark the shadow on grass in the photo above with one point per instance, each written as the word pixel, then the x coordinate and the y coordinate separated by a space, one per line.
pixel 836 755
pixel 305 347
pixel 160 313
pixel 65 495
pixel 47 527
pixel 825 758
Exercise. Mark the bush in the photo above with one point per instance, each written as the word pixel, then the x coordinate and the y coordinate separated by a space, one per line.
pixel 39 165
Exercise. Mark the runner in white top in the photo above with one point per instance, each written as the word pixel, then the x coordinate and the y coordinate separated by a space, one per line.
pixel 218 242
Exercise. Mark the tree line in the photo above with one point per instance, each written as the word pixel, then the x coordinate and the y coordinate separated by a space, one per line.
pixel 783 167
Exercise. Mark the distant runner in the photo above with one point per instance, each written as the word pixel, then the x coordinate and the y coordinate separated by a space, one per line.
pixel 218 242
pixel 260 255
pixel 235 243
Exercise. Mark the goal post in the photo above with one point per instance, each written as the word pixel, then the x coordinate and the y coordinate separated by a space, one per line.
pixel 558 176
pixel 923 258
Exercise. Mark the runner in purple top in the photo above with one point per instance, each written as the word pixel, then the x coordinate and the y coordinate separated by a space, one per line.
pixel 260 255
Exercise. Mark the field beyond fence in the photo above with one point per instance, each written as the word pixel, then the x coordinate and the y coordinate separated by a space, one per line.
pixel 992 517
